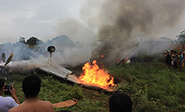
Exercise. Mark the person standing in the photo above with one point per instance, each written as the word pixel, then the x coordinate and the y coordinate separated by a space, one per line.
pixel 168 58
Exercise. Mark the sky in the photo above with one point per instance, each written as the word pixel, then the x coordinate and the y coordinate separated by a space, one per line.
pixel 46 19
pixel 27 18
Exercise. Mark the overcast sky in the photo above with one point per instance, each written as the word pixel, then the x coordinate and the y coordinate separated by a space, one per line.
pixel 40 18
pixel 26 18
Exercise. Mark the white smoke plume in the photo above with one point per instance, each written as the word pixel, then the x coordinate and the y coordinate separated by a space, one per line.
pixel 67 52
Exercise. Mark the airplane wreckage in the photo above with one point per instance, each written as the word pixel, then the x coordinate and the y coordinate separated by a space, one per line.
pixel 105 82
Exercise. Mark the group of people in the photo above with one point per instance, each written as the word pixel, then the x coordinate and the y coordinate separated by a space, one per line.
pixel 118 102
pixel 175 59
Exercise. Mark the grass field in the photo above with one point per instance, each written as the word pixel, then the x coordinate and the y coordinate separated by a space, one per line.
pixel 151 86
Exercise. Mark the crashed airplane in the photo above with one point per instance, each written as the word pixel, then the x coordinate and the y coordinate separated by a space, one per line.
pixel 26 66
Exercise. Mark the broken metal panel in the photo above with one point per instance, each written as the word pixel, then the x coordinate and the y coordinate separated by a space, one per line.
pixel 63 69
pixel 58 71
pixel 74 79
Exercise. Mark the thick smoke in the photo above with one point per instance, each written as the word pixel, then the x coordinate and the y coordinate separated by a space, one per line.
pixel 83 38
pixel 116 24
pixel 126 18
pixel 121 20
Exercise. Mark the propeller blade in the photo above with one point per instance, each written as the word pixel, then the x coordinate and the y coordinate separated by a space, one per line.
pixel 9 59
pixel 3 57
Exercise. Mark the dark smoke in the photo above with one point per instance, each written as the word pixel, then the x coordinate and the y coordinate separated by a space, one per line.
pixel 116 24
pixel 143 16
pixel 121 20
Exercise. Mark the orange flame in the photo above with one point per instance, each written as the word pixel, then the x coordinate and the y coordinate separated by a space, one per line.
pixel 93 75
pixel 102 56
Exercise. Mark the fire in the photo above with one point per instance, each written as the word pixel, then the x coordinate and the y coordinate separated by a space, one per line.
pixel 93 75
pixel 102 56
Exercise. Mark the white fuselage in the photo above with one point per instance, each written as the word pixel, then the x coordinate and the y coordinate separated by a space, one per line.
pixel 22 67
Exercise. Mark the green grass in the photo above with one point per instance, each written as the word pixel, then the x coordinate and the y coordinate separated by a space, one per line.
pixel 151 86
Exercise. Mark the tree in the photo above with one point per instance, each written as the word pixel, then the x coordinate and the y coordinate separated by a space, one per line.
pixel 22 39
pixel 33 41
pixel 181 37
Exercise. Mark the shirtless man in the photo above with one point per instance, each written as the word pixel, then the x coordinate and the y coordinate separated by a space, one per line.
pixel 31 87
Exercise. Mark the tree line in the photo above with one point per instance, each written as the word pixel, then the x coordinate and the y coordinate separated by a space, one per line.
pixel 35 41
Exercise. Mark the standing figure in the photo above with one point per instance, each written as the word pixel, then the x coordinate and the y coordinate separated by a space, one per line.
pixel 168 58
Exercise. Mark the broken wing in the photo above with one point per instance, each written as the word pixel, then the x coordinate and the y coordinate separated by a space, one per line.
pixel 61 72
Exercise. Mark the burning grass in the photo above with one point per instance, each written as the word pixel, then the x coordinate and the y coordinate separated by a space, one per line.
pixel 152 88
pixel 93 75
